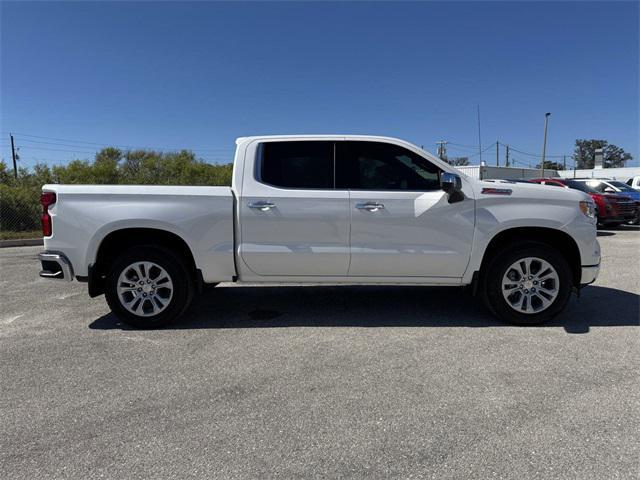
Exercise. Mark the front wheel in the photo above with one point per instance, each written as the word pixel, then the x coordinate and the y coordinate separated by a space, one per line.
pixel 527 284
pixel 149 286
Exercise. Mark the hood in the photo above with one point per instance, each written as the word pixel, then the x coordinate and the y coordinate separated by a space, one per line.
pixel 533 191
pixel 618 197
pixel 633 195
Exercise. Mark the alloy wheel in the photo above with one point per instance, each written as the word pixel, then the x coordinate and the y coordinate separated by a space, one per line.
pixel 145 288
pixel 530 285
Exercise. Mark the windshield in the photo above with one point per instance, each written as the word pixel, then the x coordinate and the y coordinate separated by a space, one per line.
pixel 583 187
pixel 621 186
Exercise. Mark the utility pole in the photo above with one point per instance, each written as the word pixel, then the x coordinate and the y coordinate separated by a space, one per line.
pixel 13 154
pixel 442 149
pixel 506 158
pixel 544 143
pixel 497 153
pixel 479 137
pixel 564 162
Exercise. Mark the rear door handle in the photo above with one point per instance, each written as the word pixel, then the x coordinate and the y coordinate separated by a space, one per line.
pixel 263 206
pixel 370 206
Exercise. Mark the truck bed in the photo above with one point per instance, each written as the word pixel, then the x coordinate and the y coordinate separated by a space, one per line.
pixel 84 215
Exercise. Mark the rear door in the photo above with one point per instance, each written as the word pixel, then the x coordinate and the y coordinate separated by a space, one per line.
pixel 402 223
pixel 293 222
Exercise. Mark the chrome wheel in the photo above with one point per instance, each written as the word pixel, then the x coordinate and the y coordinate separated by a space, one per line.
pixel 145 289
pixel 530 285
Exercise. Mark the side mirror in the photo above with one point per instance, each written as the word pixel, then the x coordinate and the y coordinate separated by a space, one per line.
pixel 452 184
pixel 609 190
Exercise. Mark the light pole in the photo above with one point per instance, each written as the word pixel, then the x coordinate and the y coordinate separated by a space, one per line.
pixel 544 143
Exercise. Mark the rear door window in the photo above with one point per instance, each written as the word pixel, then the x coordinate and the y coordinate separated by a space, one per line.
pixel 301 165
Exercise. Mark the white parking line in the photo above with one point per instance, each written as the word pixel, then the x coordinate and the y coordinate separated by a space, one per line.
pixel 9 320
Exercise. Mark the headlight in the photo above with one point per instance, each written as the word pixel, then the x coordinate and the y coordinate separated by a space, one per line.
pixel 588 209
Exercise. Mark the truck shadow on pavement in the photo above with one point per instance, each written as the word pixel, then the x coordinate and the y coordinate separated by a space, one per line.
pixel 607 231
pixel 380 306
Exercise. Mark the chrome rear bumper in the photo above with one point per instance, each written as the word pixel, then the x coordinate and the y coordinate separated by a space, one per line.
pixel 55 266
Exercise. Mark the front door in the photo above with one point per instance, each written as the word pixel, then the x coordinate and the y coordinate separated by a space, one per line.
pixel 402 223
pixel 293 221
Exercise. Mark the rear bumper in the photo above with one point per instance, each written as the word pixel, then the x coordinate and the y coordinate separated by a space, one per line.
pixel 55 266
pixel 589 274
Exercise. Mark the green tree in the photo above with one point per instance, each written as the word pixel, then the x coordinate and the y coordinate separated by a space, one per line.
pixel 584 154
pixel 6 177
pixel 105 167
pixel 459 161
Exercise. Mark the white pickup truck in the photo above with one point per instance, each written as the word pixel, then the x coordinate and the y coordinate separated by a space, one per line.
pixel 334 208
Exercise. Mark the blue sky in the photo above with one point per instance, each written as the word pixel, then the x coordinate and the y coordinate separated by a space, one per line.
pixel 198 75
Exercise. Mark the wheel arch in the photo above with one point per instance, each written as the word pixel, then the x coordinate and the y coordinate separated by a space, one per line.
pixel 561 241
pixel 125 238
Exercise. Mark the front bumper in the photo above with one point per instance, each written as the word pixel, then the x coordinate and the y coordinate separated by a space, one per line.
pixel 589 274
pixel 55 266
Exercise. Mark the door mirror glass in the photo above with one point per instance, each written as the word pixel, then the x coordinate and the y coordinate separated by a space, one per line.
pixel 609 190
pixel 450 182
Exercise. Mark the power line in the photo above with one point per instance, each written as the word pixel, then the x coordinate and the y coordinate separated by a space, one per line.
pixel 482 151
pixel 75 145
pixel 130 147
pixel 463 145
pixel 30 147
pixel 532 154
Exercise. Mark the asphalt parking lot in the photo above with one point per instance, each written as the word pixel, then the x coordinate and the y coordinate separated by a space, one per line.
pixel 320 382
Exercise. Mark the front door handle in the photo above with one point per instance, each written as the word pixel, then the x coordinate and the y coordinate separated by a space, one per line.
pixel 262 206
pixel 370 206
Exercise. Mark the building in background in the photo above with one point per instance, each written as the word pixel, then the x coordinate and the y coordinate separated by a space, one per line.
pixel 482 172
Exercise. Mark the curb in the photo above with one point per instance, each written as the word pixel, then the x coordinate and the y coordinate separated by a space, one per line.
pixel 26 242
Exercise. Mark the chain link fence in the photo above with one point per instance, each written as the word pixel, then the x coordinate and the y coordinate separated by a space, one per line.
pixel 19 212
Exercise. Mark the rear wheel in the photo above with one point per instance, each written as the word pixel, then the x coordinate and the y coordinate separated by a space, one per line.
pixel 527 284
pixel 149 286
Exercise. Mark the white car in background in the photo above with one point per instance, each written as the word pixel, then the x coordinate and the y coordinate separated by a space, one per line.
pixel 634 182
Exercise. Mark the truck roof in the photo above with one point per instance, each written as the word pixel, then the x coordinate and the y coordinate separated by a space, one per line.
pixel 376 138
pixel 318 136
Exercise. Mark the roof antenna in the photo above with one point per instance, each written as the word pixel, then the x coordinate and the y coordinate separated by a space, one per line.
pixel 479 137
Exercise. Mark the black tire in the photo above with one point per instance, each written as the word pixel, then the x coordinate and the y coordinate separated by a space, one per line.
pixel 501 263
pixel 181 293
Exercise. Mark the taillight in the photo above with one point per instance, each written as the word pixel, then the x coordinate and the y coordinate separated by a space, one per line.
pixel 46 200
